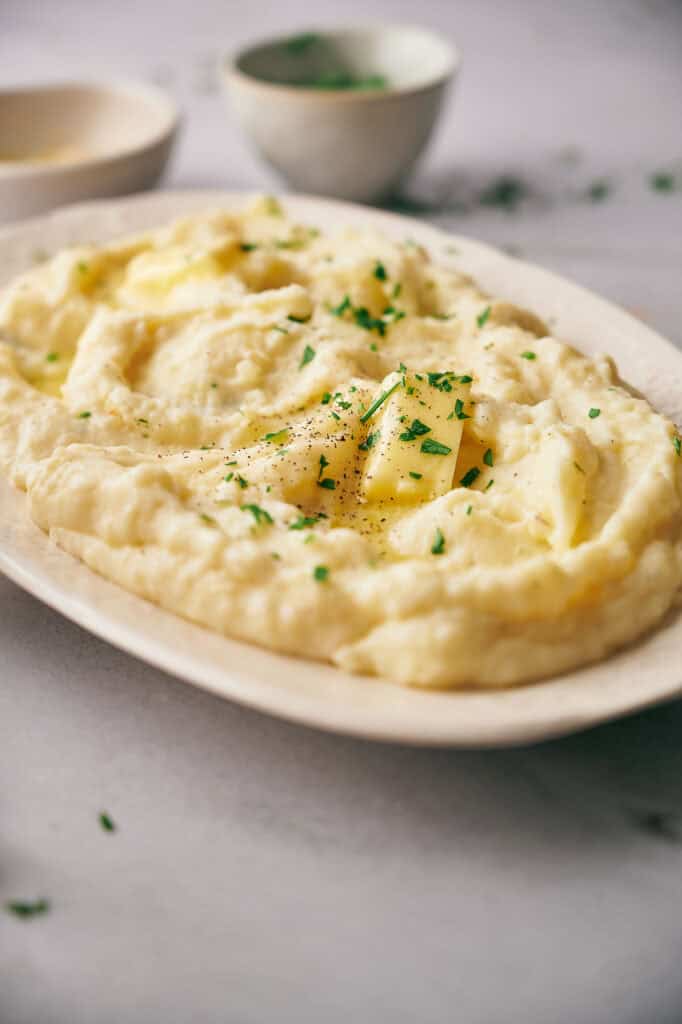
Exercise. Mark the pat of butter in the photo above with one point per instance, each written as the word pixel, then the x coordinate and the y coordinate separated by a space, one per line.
pixel 413 438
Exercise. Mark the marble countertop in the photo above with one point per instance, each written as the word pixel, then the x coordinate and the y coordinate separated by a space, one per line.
pixel 263 872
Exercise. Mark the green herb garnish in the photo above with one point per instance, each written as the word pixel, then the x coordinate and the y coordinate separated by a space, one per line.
pixel 431 447
pixel 488 457
pixel 298 319
pixel 380 272
pixel 106 822
pixel 342 306
pixel 277 437
pixel 458 411
pixel 379 402
pixel 415 430
pixel 482 318
pixel 470 476
pixel 248 246
pixel 438 546
pixel 307 357
pixel 489 484
pixel 27 908
pixel 677 445
pixel 593 413
pixel 370 441
pixel 415 476
pixel 327 483
pixel 321 573
pixel 242 482
pixel 52 357
pixel 598 190
pixel 209 520
pixel 303 522
pixel 326 398
pixel 470 509
pixel 261 515
pixel 528 355
pixel 84 415
pixel 662 181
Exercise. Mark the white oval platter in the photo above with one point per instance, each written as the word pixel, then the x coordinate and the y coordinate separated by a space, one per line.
pixel 317 694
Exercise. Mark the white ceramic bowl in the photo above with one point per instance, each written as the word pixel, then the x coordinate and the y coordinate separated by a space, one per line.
pixel 63 142
pixel 355 144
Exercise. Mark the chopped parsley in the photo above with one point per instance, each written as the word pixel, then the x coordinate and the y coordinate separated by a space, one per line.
pixel 370 441
pixel 261 515
pixel 327 483
pixel 27 908
pixel 458 411
pixel 242 482
pixel 106 822
pixel 415 430
pixel 489 484
pixel 297 45
pixel 482 318
pixel 298 319
pixel 662 181
pixel 321 573
pixel 438 546
pixel 464 378
pixel 342 306
pixel 248 246
pixel 432 447
pixel 209 520
pixel 415 476
pixel 380 272
pixel 441 381
pixel 282 330
pixel 303 522
pixel 397 288
pixel 593 413
pixel 378 402
pixel 324 462
pixel 470 509
pixel 506 192
pixel 228 477
pixel 528 355
pixel 307 357
pixel 143 421
pixel 82 267
pixel 677 445
pixel 598 191
pixel 52 357
pixel 277 437
pixel 470 476
pixel 488 457
pixel 326 398
pixel 85 415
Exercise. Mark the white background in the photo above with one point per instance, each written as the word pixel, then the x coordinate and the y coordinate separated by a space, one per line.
pixel 265 873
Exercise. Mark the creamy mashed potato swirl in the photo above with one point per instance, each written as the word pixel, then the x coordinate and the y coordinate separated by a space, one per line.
pixel 333 447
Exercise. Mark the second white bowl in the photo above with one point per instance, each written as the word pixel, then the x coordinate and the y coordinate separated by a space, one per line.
pixel 354 143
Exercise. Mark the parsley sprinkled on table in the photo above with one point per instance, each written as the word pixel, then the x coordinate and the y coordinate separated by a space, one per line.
pixel 26 909
pixel 106 822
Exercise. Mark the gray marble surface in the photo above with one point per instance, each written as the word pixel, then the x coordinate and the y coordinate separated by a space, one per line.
pixel 262 872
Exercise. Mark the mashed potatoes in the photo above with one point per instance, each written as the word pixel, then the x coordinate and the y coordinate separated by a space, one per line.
pixel 335 448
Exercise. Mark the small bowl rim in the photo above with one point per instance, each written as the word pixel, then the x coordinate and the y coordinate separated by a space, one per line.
pixel 231 70
pixel 169 118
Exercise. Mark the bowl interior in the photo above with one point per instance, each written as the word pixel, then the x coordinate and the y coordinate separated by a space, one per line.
pixel 395 57
pixel 64 123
